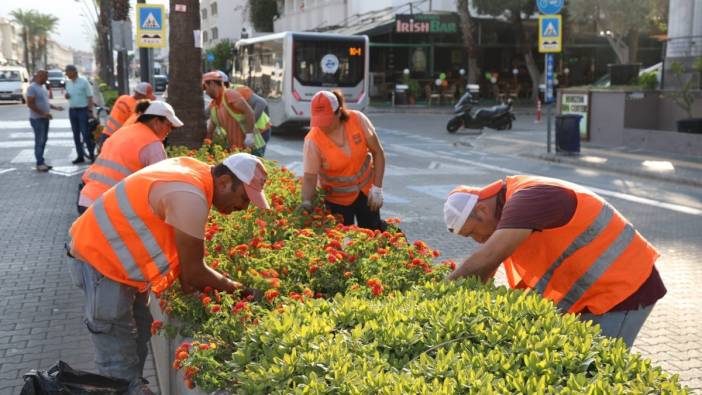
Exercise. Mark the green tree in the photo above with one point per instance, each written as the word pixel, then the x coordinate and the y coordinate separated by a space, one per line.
pixel 621 21
pixel 25 19
pixel 36 28
pixel 261 13
pixel 525 36
pixel 45 25
pixel 222 55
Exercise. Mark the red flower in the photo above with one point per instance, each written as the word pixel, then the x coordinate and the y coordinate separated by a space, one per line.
pixel 215 309
pixel 382 251
pixel 218 248
pixel 206 300
pixel 377 291
pixel 331 258
pixel 313 269
pixel 207 289
pixel 271 294
pixel 308 292
pixel 374 282
pixel 299 254
pixel 239 306
pixel 214 264
pixel 156 326
pixel 417 262
pixel 273 282
pixel 181 355
pixel 436 253
pixel 450 263
pixel 420 245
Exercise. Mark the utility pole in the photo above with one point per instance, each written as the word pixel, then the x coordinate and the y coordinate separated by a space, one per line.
pixel 146 59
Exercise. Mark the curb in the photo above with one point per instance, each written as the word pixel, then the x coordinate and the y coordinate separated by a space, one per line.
pixel 575 160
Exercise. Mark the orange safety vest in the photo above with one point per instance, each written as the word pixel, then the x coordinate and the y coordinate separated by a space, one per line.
pixel 118 158
pixel 244 91
pixel 122 237
pixel 121 110
pixel 593 262
pixel 341 176
pixel 227 118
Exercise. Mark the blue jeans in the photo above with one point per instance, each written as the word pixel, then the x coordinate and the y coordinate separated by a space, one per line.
pixel 41 135
pixel 623 324
pixel 118 319
pixel 81 134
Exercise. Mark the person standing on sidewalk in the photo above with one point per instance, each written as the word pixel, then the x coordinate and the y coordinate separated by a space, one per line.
pixel 79 93
pixel 128 151
pixel 344 155
pixel 231 118
pixel 143 234
pixel 124 107
pixel 40 115
pixel 563 241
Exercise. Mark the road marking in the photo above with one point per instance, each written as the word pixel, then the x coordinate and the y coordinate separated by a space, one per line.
pixel 30 143
pixel 63 123
pixel 394 199
pixel 52 134
pixel 25 156
pixel 3 171
pixel 295 168
pixel 437 191
pixel 619 195
pixel 68 171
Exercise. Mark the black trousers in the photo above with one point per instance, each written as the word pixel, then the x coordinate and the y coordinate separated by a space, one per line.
pixel 359 212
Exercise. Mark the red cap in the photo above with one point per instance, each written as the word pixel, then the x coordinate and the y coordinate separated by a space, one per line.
pixel 324 105
pixel 212 76
pixel 145 89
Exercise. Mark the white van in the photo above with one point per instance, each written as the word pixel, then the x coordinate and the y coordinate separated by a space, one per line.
pixel 14 82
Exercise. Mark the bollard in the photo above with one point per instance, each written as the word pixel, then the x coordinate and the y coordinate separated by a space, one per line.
pixel 538 111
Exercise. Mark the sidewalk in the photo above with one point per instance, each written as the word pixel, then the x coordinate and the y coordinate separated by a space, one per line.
pixel 436 109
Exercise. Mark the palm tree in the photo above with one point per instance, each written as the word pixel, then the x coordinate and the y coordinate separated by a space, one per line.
pixel 25 19
pixel 45 25
pixel 184 88
pixel 120 12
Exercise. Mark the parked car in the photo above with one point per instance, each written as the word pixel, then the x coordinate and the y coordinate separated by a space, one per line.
pixel 160 83
pixel 14 82
pixel 57 79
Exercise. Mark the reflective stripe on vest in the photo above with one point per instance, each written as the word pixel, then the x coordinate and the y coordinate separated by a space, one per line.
pixel 142 231
pixel 113 165
pixel 349 179
pixel 598 268
pixel 112 124
pixel 102 179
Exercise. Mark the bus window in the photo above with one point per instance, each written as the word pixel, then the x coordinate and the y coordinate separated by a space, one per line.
pixel 329 63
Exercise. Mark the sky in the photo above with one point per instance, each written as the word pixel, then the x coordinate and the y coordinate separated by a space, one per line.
pixel 72 29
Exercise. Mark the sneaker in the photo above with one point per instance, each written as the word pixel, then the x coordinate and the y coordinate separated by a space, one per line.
pixel 78 161
pixel 44 168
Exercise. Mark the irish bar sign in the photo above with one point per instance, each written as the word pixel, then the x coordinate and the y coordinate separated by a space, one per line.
pixel 426 23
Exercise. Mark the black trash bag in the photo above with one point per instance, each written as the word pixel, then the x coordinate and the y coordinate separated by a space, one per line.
pixel 61 379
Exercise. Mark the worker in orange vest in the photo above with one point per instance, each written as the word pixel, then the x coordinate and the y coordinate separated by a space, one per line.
pixel 343 155
pixel 124 107
pixel 132 148
pixel 231 118
pixel 564 242
pixel 142 235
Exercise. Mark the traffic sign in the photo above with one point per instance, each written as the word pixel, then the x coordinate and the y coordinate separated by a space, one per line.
pixel 550 33
pixel 550 6
pixel 210 57
pixel 548 95
pixel 151 26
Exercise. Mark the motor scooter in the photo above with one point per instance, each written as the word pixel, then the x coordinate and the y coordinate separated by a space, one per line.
pixel 469 116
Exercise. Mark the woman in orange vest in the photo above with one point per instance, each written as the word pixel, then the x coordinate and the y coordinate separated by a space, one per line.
pixel 132 149
pixel 343 155
pixel 142 235
pixel 564 242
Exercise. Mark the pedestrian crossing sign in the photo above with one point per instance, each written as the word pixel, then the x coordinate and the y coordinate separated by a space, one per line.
pixel 550 33
pixel 151 26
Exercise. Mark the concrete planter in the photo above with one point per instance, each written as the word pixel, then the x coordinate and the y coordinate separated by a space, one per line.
pixel 170 380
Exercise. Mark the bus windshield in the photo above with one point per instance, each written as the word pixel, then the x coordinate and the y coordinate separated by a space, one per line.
pixel 329 62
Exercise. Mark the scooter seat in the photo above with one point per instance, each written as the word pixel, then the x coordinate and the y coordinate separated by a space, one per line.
pixel 487 112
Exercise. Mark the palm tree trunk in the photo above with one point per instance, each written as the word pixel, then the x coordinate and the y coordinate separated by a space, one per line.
pixel 184 87
pixel 633 42
pixel 468 30
pixel 107 65
pixel 25 42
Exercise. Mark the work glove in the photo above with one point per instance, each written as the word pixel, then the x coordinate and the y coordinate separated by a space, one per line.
pixel 375 198
pixel 249 141
pixel 305 207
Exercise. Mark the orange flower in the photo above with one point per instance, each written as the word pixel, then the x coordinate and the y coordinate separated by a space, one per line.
pixel 271 294
pixel 348 274
pixel 156 326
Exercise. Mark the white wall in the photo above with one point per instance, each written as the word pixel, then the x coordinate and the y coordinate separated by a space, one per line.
pixel 231 16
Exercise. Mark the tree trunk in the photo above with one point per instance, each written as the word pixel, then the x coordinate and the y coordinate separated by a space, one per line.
pixel 524 39
pixel 633 42
pixel 620 49
pixel 468 30
pixel 107 66
pixel 120 12
pixel 25 41
pixel 184 86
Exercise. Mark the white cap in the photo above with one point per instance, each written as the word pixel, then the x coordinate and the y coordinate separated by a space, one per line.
pixel 163 109
pixel 225 78
pixel 250 170
pixel 145 89
pixel 457 209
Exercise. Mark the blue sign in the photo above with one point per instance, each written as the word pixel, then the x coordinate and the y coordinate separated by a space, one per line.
pixel 550 6
pixel 548 96
pixel 151 18
pixel 210 57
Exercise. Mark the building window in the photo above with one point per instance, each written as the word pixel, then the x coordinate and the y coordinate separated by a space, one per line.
pixel 204 13
pixel 215 33
pixel 204 36
pixel 213 9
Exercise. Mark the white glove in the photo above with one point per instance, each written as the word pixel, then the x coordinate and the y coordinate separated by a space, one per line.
pixel 249 140
pixel 375 198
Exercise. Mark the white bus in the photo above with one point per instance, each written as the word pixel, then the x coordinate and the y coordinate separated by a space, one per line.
pixel 287 69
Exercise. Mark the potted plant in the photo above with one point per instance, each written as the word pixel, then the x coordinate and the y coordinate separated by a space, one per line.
pixel 413 89
pixel 685 96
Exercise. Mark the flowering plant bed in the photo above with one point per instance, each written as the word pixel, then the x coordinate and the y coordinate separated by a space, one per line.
pixel 348 310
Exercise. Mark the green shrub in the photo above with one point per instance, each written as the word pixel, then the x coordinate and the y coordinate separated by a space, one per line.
pixel 439 338
pixel 648 81
pixel 110 96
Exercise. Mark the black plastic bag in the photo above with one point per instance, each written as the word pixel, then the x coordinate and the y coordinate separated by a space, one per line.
pixel 61 379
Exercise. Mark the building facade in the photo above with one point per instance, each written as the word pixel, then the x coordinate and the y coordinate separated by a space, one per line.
pixel 58 56
pixel 84 61
pixel 11 46
pixel 224 20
